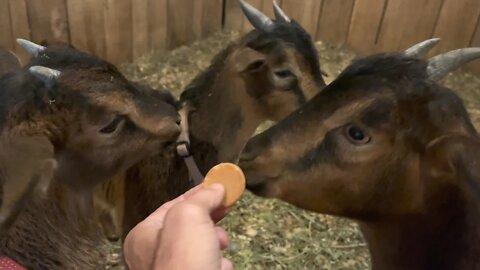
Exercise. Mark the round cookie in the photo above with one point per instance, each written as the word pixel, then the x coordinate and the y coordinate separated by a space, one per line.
pixel 231 177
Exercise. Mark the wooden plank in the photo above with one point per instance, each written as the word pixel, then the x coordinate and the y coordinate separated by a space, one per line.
pixel 407 22
pixel 20 27
pixel 364 26
pixel 6 39
pixel 233 16
pixel 183 15
pixel 48 20
pixel 334 20
pixel 87 26
pixel 475 66
pixel 305 12
pixel 140 27
pixel 158 24
pixel 212 16
pixel 197 29
pixel 267 8
pixel 95 27
pixel 118 30
pixel 76 24
pixel 456 24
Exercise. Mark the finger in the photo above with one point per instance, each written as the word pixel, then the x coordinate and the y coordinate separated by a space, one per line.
pixel 193 190
pixel 209 198
pixel 226 264
pixel 158 216
pixel 222 237
pixel 180 198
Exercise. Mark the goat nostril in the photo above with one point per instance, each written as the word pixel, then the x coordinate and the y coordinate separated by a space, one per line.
pixel 178 121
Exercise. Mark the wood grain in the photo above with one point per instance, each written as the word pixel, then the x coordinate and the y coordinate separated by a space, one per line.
pixel 140 27
pixel 475 42
pixel 305 12
pixel 48 20
pixel 334 20
pixel 211 16
pixel 118 31
pixel 20 27
pixel 158 24
pixel 181 20
pixel 6 39
pixel 407 22
pixel 364 26
pixel 233 16
pixel 456 24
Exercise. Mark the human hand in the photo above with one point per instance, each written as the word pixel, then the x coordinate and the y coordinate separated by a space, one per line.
pixel 181 234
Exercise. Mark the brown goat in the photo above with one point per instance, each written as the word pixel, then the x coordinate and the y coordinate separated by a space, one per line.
pixel 267 74
pixel 388 147
pixel 109 212
pixel 99 125
pixel 26 168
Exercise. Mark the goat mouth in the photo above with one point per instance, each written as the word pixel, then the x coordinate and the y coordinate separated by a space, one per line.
pixel 259 185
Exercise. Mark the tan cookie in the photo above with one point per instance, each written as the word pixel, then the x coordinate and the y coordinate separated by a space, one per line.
pixel 231 177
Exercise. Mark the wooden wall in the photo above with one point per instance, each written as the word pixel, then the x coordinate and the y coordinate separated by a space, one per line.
pixel 121 30
pixel 369 26
pixel 118 30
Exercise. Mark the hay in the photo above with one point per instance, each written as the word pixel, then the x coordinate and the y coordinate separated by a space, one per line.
pixel 268 234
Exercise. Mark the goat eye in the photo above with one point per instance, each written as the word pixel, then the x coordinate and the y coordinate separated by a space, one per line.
pixel 283 73
pixel 112 126
pixel 357 136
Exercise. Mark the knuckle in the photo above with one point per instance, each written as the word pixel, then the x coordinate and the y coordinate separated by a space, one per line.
pixel 186 211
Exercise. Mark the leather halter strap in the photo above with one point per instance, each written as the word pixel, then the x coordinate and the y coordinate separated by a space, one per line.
pixel 183 149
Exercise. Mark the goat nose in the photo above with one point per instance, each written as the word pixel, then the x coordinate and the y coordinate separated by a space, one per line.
pixel 170 129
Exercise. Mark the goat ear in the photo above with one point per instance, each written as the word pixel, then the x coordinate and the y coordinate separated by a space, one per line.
pixel 456 158
pixel 27 167
pixel 9 62
pixel 247 59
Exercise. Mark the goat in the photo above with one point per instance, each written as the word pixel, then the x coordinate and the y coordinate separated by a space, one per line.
pixel 387 146
pixel 266 74
pixel 26 168
pixel 9 62
pixel 99 124
pixel 109 212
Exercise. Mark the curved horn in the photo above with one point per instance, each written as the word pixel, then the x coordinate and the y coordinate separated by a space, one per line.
pixel 279 14
pixel 441 65
pixel 422 48
pixel 32 48
pixel 259 20
pixel 47 75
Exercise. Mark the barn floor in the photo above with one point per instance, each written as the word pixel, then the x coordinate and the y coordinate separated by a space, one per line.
pixel 268 234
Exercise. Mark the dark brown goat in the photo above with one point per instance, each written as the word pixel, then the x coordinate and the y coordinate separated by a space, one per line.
pixel 385 145
pixel 99 125
pixel 267 74
pixel 26 169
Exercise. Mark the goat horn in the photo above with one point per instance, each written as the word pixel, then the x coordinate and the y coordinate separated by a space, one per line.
pixel 32 48
pixel 259 20
pixel 279 14
pixel 422 48
pixel 47 75
pixel 440 65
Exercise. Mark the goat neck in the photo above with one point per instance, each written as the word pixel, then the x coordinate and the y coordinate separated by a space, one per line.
pixel 226 117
